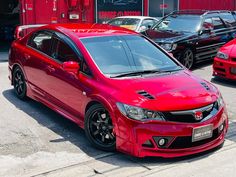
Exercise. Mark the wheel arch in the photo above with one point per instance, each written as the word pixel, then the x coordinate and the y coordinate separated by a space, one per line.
pixel 14 67
pixel 97 99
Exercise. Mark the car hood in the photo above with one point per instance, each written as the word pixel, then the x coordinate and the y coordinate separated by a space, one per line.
pixel 167 36
pixel 171 92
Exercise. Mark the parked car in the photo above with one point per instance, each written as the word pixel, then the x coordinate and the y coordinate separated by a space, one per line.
pixel 225 61
pixel 194 36
pixel 125 91
pixel 136 23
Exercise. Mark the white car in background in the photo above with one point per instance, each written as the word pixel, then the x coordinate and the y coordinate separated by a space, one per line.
pixel 136 23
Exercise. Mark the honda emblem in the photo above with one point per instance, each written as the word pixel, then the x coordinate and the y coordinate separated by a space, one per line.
pixel 198 115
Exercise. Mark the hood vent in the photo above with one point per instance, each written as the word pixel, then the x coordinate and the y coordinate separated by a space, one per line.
pixel 205 86
pixel 145 94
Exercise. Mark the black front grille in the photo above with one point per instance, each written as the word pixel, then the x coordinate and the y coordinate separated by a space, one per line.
pixel 186 141
pixel 189 116
pixel 179 118
pixel 186 118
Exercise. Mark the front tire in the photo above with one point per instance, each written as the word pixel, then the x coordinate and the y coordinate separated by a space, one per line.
pixel 188 58
pixel 19 83
pixel 99 128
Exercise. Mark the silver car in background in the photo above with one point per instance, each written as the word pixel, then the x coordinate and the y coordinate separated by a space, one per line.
pixel 136 23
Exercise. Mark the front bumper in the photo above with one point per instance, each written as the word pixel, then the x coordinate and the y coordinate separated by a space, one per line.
pixel 133 135
pixel 222 68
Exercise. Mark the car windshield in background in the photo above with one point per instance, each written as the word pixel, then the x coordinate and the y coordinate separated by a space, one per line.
pixel 129 23
pixel 119 55
pixel 187 23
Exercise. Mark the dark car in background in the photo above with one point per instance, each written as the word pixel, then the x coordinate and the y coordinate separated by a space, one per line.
pixel 194 36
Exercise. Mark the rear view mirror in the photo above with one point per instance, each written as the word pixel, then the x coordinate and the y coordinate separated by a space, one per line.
pixel 71 66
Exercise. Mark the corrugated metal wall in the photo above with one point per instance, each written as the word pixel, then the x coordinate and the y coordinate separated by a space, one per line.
pixel 208 4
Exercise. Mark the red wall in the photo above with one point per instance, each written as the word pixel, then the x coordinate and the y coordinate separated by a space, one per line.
pixel 208 4
pixel 41 11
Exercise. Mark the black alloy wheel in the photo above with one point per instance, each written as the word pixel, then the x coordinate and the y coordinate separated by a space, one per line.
pixel 19 83
pixel 99 128
pixel 188 58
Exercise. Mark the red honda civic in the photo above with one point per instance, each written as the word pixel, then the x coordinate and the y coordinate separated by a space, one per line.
pixel 225 61
pixel 123 89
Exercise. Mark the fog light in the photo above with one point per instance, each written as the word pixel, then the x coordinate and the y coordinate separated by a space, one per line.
pixel 233 70
pixel 162 142
pixel 221 127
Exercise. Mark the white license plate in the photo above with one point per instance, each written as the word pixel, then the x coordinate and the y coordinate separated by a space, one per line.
pixel 201 133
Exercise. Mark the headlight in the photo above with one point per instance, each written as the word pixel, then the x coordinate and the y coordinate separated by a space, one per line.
pixel 222 55
pixel 220 102
pixel 169 46
pixel 139 113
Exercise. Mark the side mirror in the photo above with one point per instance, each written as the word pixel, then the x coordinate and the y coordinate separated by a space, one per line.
pixel 206 31
pixel 71 66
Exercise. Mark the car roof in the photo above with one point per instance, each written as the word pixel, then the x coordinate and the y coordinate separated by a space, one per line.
pixel 89 30
pixel 199 12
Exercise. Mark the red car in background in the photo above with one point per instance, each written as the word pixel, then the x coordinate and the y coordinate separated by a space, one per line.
pixel 122 88
pixel 225 61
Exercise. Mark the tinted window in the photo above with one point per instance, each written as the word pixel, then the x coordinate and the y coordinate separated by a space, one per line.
pixel 208 24
pixel 130 23
pixel 218 24
pixel 148 23
pixel 42 41
pixel 62 52
pixel 189 23
pixel 228 19
pixel 121 54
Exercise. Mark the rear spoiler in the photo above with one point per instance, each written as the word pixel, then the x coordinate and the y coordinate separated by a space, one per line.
pixel 23 30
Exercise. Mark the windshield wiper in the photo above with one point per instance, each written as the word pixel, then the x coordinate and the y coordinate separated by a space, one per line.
pixel 136 73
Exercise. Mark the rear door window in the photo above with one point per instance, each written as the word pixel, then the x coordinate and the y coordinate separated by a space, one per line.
pixel 42 41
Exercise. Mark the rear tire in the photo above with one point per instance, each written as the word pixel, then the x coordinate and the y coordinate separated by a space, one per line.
pixel 99 128
pixel 19 83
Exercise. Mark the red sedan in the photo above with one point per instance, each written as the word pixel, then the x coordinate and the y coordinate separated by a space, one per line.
pixel 124 90
pixel 225 61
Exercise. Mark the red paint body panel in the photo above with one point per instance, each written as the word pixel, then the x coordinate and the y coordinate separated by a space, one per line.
pixel 222 67
pixel 69 94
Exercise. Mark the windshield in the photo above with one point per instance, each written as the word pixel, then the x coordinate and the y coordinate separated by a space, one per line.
pixel 187 23
pixel 123 54
pixel 130 23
